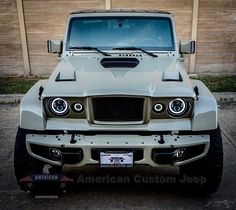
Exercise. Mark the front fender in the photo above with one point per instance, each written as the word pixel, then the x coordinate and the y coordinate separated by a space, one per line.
pixel 205 112
pixel 31 109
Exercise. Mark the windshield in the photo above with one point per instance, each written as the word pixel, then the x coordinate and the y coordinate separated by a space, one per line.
pixel 106 33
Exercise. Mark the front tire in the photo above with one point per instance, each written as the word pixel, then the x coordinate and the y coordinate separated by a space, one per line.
pixel 24 164
pixel 210 168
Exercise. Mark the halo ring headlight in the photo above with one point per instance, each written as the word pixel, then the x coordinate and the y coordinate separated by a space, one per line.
pixel 158 107
pixel 177 107
pixel 59 106
pixel 78 107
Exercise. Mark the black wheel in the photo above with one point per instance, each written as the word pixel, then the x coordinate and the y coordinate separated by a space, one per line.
pixel 206 173
pixel 26 165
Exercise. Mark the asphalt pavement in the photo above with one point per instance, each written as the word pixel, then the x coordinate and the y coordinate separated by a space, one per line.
pixel 114 195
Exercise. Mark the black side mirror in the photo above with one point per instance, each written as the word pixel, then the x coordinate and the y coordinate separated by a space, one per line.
pixel 54 46
pixel 187 47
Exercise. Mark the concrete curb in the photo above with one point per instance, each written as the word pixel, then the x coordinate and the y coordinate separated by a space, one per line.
pixel 221 97
pixel 10 98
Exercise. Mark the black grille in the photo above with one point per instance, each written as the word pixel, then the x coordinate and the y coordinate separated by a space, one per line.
pixel 118 109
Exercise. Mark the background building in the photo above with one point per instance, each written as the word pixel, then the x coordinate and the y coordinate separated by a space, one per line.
pixel 26 25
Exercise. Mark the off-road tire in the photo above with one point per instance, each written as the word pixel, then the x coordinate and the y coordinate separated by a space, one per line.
pixel 209 168
pixel 24 164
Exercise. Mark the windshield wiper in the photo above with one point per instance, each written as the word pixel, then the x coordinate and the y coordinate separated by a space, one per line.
pixel 135 48
pixel 90 48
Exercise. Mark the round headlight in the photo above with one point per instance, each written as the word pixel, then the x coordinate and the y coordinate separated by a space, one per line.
pixel 177 107
pixel 158 108
pixel 59 106
pixel 78 107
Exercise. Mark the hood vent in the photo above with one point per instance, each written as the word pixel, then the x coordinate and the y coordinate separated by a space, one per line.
pixel 66 77
pixel 119 62
pixel 172 76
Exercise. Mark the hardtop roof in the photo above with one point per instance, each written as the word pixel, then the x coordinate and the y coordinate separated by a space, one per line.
pixel 120 11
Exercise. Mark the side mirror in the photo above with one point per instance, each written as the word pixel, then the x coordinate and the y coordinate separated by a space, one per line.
pixel 187 47
pixel 54 46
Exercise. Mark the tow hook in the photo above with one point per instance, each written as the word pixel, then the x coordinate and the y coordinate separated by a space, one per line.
pixel 161 140
pixel 73 141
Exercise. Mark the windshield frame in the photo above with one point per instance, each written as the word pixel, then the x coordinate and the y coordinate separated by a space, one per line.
pixel 154 49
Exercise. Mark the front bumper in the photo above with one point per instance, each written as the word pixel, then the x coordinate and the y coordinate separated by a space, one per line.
pixel 84 147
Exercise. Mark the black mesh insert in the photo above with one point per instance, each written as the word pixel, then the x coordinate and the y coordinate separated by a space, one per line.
pixel 118 109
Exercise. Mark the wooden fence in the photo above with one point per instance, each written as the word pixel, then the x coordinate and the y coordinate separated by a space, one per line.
pixel 26 25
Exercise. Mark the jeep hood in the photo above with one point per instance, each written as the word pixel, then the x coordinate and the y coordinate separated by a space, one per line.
pixel 80 76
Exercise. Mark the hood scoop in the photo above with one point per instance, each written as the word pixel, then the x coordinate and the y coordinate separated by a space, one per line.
pixel 66 76
pixel 119 62
pixel 172 76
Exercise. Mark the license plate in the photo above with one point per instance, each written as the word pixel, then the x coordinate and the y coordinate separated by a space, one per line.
pixel 116 159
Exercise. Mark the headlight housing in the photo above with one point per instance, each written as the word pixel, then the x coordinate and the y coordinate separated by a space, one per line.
pixel 177 107
pixel 58 106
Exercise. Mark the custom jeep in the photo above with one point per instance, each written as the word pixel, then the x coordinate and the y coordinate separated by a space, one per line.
pixel 119 97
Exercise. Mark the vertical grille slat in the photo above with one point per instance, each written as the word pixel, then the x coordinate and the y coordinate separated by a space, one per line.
pixel 118 109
